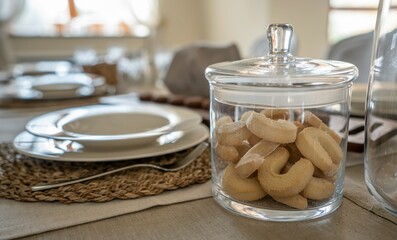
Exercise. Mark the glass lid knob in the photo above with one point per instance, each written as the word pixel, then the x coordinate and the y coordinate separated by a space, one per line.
pixel 279 36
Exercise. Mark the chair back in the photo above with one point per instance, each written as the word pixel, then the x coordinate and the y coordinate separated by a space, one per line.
pixel 356 50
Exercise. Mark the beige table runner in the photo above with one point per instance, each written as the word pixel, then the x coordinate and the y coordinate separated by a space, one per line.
pixel 356 191
pixel 147 187
pixel 18 219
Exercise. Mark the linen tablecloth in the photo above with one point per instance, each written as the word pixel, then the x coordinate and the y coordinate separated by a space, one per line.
pixel 19 219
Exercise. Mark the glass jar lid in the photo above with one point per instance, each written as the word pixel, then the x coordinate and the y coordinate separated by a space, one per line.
pixel 280 68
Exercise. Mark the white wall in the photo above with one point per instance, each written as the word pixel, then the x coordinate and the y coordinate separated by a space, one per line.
pixel 182 22
pixel 244 21
pixel 239 21
pixel 309 19
pixel 220 21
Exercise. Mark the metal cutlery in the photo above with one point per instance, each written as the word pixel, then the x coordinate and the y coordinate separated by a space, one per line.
pixel 189 158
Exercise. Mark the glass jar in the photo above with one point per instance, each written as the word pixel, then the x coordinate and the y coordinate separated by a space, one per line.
pixel 279 132
pixel 381 112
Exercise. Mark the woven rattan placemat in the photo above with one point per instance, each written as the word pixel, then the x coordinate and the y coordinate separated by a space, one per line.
pixel 14 103
pixel 18 172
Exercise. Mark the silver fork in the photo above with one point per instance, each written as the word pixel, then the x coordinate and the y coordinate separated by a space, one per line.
pixel 197 151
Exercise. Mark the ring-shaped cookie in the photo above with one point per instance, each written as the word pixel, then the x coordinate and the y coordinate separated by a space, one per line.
pixel 284 185
pixel 227 153
pixel 296 201
pixel 223 120
pixel 254 157
pixel 276 113
pixel 244 189
pixel 314 121
pixel 318 189
pixel 320 148
pixel 234 133
pixel 280 131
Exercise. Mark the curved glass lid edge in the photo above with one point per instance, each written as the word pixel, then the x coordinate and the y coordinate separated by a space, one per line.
pixel 281 82
pixel 281 88
pixel 240 71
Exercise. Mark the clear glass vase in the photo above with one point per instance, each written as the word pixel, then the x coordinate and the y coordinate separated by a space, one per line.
pixel 381 111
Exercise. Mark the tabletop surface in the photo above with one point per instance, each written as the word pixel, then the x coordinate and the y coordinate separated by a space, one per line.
pixel 205 219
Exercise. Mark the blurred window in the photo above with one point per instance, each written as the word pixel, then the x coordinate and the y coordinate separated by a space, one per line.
pixel 79 18
pixel 347 18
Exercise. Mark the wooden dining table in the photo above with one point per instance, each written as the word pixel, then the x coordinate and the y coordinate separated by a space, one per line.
pixel 358 217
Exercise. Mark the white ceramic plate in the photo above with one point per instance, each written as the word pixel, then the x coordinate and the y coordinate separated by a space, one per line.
pixel 51 149
pixel 42 67
pixel 110 126
pixel 53 86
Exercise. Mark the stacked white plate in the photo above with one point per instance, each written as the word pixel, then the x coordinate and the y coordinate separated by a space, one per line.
pixel 111 132
pixel 55 87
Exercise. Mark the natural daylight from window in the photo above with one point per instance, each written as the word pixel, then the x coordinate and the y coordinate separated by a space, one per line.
pixel 347 18
pixel 80 18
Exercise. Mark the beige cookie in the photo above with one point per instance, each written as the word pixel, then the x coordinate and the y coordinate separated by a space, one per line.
pixel 253 139
pixel 275 113
pixel 320 148
pixel 227 153
pixel 314 121
pixel 244 189
pixel 284 185
pixel 251 161
pixel 318 189
pixel 234 133
pixel 223 120
pixel 243 148
pixel 299 125
pixel 296 201
pixel 245 115
pixel 280 131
